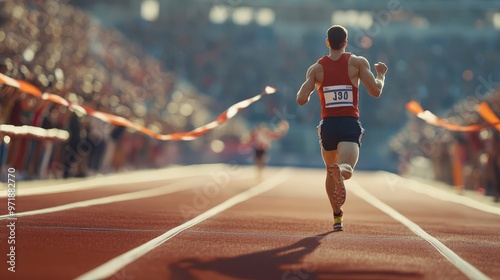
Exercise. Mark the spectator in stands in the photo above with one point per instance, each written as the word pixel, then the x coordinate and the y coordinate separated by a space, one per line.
pixel 493 164
pixel 107 160
pixel 97 138
pixel 475 147
pixel 73 150
pixel 47 145
pixel 35 145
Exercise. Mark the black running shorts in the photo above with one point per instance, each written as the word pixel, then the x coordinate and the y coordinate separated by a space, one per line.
pixel 259 153
pixel 333 130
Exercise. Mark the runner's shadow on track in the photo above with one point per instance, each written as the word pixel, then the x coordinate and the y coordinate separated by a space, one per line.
pixel 281 263
pixel 285 262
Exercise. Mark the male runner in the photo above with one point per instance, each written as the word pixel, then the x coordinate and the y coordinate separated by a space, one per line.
pixel 337 77
pixel 261 138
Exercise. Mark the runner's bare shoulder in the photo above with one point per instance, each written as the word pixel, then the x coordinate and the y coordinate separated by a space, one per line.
pixel 357 60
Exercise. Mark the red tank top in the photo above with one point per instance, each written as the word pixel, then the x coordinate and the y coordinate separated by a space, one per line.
pixel 338 96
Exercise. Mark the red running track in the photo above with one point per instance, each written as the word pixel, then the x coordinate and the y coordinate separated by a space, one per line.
pixel 218 222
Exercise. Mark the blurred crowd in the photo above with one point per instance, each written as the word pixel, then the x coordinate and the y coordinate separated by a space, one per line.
pixel 63 51
pixel 465 160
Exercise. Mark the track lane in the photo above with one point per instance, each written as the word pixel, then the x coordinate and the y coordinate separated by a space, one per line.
pixel 280 239
pixel 279 232
pixel 35 202
pixel 115 264
pixel 33 195
pixel 38 187
pixel 82 238
pixel 469 232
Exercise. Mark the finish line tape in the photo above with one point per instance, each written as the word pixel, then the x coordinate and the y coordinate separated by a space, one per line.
pixel 483 110
pixel 120 121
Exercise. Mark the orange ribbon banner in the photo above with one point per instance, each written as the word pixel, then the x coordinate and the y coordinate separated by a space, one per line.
pixel 488 115
pixel 120 121
pixel 483 110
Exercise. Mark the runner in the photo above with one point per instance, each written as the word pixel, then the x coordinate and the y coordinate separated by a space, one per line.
pixel 336 78
pixel 261 139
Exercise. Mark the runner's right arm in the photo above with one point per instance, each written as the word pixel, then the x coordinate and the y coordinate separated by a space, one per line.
pixel 307 87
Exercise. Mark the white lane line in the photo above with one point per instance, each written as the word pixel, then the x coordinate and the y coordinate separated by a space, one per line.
pixel 166 189
pixel 114 265
pixel 116 179
pixel 433 192
pixel 92 229
pixel 465 267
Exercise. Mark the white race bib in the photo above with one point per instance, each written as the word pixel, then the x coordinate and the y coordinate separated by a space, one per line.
pixel 338 96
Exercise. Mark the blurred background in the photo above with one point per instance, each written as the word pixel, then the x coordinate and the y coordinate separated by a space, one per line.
pixel 174 65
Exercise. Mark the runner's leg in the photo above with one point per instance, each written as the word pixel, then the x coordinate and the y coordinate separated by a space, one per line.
pixel 260 161
pixel 329 158
pixel 348 154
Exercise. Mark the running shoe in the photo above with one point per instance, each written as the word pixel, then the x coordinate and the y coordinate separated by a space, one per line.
pixel 337 221
pixel 339 189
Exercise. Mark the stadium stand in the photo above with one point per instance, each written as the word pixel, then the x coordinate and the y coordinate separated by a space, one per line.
pixel 62 50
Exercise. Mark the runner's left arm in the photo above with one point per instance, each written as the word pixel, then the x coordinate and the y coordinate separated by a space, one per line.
pixel 307 87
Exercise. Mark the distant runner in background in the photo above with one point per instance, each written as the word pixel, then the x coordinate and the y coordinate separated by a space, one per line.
pixel 261 139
